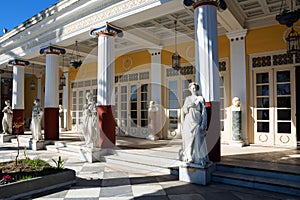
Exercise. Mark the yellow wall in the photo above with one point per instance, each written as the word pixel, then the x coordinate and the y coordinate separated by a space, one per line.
pixel 132 61
pixel 224 46
pixel 265 39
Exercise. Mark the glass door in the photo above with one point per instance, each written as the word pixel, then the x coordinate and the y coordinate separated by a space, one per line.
pixel 274 113
pixel 264 132
pixel 284 114
pixel 132 109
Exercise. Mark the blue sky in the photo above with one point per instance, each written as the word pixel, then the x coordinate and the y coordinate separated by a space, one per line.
pixel 14 12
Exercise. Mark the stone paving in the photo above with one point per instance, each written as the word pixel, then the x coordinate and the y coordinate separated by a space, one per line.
pixel 111 182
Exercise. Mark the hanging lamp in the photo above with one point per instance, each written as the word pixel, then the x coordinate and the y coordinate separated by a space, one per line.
pixel 176 57
pixel 75 58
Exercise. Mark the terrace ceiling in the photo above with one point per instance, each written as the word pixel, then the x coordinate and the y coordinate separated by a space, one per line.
pixel 156 31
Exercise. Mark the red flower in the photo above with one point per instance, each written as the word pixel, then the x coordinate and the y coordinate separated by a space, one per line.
pixel 6 177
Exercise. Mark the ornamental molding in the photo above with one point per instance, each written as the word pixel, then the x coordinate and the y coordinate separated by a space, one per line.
pixel 52 31
pixel 237 34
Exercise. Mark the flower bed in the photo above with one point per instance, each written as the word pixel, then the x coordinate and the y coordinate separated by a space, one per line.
pixel 25 180
pixel 27 188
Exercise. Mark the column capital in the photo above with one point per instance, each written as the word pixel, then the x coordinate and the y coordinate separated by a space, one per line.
pixel 205 2
pixel 17 62
pixel 106 30
pixel 236 35
pixel 52 50
pixel 155 51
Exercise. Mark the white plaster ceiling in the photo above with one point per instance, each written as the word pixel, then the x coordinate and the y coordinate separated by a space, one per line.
pixel 159 31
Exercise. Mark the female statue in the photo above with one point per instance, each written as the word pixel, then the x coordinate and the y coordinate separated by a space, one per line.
pixel 90 122
pixel 193 128
pixel 7 118
pixel 37 114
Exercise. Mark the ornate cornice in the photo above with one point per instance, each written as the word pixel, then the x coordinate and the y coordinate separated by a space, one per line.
pixel 43 33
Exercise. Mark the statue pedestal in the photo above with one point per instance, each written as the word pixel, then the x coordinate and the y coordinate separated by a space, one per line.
pixel 37 144
pixel 237 143
pixel 194 173
pixel 90 154
pixel 152 137
pixel 6 138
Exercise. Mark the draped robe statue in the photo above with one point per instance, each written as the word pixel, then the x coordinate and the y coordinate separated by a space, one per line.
pixel 194 128
pixel 90 122
pixel 36 119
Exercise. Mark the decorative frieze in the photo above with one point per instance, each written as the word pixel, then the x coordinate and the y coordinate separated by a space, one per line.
pixel 132 77
pixel 274 60
pixel 77 22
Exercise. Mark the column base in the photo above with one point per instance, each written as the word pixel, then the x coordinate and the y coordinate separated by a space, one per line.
pixel 18 122
pixel 51 124
pixel 237 143
pixel 107 126
pixel 213 131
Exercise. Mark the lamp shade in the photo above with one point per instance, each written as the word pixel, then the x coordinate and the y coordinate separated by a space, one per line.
pixel 176 61
pixel 293 42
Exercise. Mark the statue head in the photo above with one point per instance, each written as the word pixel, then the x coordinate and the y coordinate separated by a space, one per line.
pixel 89 96
pixel 36 101
pixel 194 87
pixel 236 102
pixel 7 102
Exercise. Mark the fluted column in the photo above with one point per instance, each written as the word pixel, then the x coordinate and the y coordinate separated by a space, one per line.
pixel 51 102
pixel 207 70
pixel 18 95
pixel 105 79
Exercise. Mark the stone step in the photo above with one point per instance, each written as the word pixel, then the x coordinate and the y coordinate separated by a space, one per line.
pixel 133 163
pixel 149 156
pixel 62 150
pixel 270 180
pixel 28 142
pixel 269 173
pixel 146 159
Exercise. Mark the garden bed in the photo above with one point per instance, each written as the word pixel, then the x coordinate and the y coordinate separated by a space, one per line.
pixel 37 179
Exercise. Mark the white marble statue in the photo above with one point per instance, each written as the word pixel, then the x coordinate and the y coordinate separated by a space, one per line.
pixel 153 124
pixel 37 114
pixel 7 118
pixel 90 123
pixel 194 128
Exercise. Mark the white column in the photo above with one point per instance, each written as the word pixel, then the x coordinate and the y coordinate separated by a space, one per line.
pixel 51 81
pixel 18 95
pixel 106 80
pixel 51 101
pixel 207 70
pixel 106 70
pixel 238 73
pixel 206 57
pixel 18 87
pixel 156 72
pixel 66 98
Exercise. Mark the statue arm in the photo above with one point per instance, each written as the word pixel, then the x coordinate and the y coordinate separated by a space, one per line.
pixel 187 104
